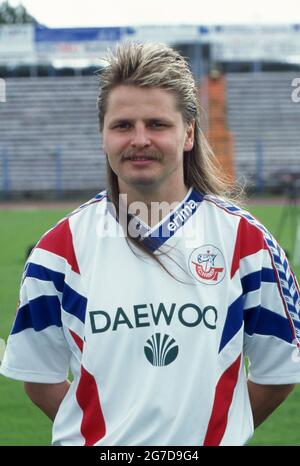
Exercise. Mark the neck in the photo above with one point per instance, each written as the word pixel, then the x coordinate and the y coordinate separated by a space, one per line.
pixel 151 206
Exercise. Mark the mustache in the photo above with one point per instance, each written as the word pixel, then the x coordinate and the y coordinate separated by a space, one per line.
pixel 149 154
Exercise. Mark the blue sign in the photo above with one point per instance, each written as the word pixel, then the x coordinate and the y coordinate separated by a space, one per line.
pixel 43 34
pixel 203 29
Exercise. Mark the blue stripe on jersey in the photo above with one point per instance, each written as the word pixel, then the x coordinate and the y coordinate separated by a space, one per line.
pixel 45 274
pixel 234 321
pixel 262 321
pixel 40 313
pixel 297 324
pixel 235 314
pixel 97 198
pixel 296 300
pixel 74 303
pixel 100 196
pixel 291 282
pixel 233 208
pixel 282 275
pixel 253 281
pixel 285 265
pixel 178 218
pixel 286 281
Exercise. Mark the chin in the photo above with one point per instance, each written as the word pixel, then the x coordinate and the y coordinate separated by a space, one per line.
pixel 142 182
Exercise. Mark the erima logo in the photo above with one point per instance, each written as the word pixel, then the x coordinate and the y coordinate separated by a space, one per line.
pixel 161 350
pixel 146 315
pixel 182 215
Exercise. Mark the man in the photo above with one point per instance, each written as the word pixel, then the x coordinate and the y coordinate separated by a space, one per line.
pixel 154 313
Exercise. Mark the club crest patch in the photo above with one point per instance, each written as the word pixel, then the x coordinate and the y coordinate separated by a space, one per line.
pixel 207 264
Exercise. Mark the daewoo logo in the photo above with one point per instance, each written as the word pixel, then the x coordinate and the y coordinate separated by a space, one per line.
pixel 146 315
pixel 161 350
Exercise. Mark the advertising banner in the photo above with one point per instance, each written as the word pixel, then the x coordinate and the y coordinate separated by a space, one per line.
pixel 17 41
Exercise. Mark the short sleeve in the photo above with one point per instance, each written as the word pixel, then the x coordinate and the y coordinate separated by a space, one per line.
pixel 271 315
pixel 38 349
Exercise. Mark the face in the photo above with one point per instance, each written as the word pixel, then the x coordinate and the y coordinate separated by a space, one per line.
pixel 145 137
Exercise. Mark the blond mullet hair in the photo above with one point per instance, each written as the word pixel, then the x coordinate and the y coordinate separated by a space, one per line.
pixel 153 65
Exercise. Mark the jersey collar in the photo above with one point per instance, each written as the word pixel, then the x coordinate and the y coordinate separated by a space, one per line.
pixel 155 237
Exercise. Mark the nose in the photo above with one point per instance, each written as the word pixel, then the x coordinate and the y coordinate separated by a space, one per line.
pixel 140 137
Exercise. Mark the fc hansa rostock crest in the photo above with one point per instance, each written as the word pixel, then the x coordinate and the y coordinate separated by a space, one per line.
pixel 207 264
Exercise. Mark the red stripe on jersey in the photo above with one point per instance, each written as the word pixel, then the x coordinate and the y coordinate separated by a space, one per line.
pixel 59 240
pixel 223 398
pixel 249 240
pixel 92 425
pixel 77 339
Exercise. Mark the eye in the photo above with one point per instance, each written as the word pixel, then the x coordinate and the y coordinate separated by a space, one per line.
pixel 157 124
pixel 122 125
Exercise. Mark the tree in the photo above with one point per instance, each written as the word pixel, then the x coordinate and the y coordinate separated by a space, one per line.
pixel 15 15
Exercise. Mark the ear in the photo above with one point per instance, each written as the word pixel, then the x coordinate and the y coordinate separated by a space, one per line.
pixel 104 147
pixel 189 137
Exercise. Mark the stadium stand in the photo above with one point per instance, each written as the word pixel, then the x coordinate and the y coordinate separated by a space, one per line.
pixel 49 138
pixel 263 117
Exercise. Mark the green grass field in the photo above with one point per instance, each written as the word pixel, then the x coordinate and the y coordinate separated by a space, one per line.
pixel 23 424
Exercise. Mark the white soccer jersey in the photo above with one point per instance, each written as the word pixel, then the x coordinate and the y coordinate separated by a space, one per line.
pixel 156 360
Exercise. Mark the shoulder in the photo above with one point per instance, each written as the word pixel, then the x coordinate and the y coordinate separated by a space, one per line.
pixel 248 227
pixel 252 243
pixel 89 206
pixel 83 213
pixel 60 240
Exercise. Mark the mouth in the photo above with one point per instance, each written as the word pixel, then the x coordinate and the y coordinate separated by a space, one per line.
pixel 140 158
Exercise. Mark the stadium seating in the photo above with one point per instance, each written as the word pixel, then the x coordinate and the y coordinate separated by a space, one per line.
pixel 265 120
pixel 49 138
